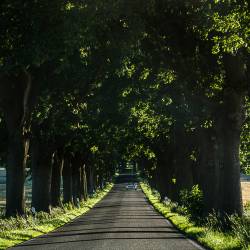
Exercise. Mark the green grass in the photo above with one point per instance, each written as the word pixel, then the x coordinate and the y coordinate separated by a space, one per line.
pixel 208 237
pixel 16 230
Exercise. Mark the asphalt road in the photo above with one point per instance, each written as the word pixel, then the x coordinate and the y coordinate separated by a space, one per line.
pixel 123 220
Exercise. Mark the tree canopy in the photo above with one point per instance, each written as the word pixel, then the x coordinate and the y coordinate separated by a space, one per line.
pixel 86 85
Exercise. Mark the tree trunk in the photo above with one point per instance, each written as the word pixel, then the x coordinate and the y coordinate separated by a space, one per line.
pixel 67 180
pixel 134 167
pixel 165 172
pixel 76 180
pixel 41 176
pixel 100 180
pixel 17 152
pixel 231 120
pixel 161 178
pixel 84 188
pixel 56 181
pixel 231 201
pixel 14 99
pixel 182 162
pixel 208 168
pixel 230 187
pixel 90 179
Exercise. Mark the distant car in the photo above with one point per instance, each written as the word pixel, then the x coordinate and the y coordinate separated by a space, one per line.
pixel 133 186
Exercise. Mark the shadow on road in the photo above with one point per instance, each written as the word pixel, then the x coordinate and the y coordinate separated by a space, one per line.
pixel 122 220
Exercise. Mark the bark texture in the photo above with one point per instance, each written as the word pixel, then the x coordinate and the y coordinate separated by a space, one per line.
pixel 84 186
pixel 231 122
pixel 56 180
pixel 41 175
pixel 90 179
pixel 14 100
pixel 67 180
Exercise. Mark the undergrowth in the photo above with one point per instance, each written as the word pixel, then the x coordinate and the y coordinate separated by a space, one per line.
pixel 210 231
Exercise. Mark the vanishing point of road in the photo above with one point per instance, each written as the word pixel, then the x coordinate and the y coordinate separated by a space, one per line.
pixel 123 220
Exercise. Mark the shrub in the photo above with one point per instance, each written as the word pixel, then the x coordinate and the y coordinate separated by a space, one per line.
pixel 247 209
pixel 241 229
pixel 173 206
pixel 238 227
pixel 213 222
pixel 192 200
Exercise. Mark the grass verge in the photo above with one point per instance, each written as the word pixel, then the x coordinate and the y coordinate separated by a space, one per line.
pixel 16 230
pixel 208 237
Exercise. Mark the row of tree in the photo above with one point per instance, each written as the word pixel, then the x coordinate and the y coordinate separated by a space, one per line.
pixel 87 84
pixel 189 99
pixel 53 56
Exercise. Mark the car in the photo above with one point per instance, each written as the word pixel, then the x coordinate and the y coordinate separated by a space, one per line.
pixel 133 186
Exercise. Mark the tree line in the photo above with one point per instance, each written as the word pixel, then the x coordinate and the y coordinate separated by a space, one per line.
pixel 85 85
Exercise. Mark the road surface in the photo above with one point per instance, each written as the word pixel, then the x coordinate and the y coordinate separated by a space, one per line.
pixel 123 220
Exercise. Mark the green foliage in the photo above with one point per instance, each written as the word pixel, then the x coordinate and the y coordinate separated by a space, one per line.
pixel 213 222
pixel 245 143
pixel 209 233
pixel 128 80
pixel 241 229
pixel 193 201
